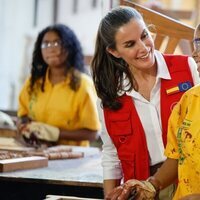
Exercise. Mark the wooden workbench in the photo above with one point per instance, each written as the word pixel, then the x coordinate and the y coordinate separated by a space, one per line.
pixel 74 177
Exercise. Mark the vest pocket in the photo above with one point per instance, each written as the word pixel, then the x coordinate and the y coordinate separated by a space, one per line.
pixel 121 125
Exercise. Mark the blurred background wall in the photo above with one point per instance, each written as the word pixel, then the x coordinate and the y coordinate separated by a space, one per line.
pixel 21 20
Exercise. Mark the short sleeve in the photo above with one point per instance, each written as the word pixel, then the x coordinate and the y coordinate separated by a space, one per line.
pixel 89 117
pixel 23 99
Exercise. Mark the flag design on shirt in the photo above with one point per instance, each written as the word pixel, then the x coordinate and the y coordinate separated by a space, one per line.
pixel 181 87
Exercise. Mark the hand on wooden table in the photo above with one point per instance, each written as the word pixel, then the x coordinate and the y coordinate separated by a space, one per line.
pixel 133 189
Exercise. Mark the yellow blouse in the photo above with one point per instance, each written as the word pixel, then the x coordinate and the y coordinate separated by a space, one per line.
pixel 61 106
pixel 184 142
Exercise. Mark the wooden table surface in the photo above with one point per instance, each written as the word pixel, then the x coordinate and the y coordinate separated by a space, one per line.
pixel 83 173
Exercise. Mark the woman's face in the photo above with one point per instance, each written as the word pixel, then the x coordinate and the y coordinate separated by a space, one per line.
pixel 134 44
pixel 196 52
pixel 196 41
pixel 52 51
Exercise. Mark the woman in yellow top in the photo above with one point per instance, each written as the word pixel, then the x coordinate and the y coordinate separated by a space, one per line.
pixel 58 101
pixel 182 151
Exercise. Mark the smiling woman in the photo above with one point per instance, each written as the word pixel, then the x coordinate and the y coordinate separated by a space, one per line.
pixel 132 80
pixel 58 96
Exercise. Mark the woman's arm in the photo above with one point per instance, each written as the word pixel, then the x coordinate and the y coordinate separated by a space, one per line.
pixel 191 197
pixel 166 175
pixel 22 121
pixel 109 185
pixel 77 135
pixel 112 172
pixel 148 189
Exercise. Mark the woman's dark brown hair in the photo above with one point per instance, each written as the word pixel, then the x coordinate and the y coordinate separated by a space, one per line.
pixel 109 72
pixel 74 62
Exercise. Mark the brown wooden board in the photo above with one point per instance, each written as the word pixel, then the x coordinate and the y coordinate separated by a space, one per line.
pixel 56 197
pixel 7 132
pixel 14 164
pixel 8 143
pixel 11 150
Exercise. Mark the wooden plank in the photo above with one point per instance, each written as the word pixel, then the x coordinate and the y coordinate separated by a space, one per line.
pixel 164 26
pixel 163 22
pixel 9 143
pixel 14 164
pixel 82 172
pixel 7 132
pixel 56 197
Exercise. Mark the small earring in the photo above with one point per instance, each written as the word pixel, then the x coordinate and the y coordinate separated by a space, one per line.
pixel 122 62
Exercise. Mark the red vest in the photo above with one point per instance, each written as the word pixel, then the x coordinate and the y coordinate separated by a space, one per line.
pixel 125 128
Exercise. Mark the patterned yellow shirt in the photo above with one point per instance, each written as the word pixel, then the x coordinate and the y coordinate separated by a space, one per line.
pixel 61 106
pixel 184 142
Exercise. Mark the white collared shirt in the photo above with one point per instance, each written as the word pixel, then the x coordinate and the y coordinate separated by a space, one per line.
pixel 150 117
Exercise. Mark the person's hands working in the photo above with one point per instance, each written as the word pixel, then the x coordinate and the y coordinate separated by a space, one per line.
pixel 34 132
pixel 133 189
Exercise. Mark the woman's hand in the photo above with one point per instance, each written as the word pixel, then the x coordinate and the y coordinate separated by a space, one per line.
pixel 115 193
pixel 191 197
pixel 22 122
pixel 36 132
pixel 133 189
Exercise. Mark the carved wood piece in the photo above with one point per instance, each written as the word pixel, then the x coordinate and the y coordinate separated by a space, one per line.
pixel 14 164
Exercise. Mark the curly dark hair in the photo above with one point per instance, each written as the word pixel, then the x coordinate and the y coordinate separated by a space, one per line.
pixel 108 71
pixel 74 62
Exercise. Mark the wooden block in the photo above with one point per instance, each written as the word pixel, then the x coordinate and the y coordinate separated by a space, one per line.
pixel 14 164
pixel 58 197
pixel 8 143
pixel 6 132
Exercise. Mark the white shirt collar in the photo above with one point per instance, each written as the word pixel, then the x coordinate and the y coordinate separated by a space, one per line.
pixel 162 71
